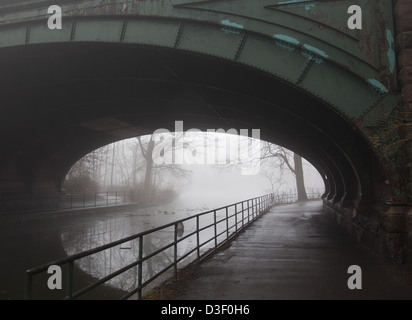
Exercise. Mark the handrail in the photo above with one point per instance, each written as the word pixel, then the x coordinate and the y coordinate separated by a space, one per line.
pixel 249 211
pixel 21 202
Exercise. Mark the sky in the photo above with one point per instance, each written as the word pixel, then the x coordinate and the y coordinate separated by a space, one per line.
pixel 214 181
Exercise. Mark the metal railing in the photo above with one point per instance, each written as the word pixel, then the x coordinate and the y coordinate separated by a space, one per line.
pixel 59 201
pixel 285 198
pixel 220 224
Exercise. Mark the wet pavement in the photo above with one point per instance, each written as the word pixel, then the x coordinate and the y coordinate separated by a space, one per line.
pixel 295 252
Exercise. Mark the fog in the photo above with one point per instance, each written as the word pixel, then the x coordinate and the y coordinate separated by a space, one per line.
pixel 213 184
pixel 122 166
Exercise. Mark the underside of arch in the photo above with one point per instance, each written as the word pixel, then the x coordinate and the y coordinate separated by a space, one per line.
pixel 103 79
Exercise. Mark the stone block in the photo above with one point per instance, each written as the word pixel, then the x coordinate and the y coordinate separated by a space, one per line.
pixel 403 14
pixel 405 58
pixel 403 41
pixel 395 219
pixel 407 93
pixel 394 223
pixel 405 75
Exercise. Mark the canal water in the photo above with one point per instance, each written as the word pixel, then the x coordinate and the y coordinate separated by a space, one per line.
pixel 28 241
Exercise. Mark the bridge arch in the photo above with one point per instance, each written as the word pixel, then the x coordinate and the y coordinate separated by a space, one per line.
pixel 210 76
pixel 214 64
pixel 122 68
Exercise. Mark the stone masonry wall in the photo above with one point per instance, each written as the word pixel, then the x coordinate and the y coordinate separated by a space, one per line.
pixel 403 26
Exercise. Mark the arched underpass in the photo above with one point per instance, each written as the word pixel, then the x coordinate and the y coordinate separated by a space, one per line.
pixel 101 79
pixel 118 92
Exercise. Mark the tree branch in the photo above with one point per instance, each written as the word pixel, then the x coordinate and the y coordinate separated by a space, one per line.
pixel 142 149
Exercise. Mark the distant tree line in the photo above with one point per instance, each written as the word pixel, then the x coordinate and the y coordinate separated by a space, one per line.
pixel 124 165
pixel 129 165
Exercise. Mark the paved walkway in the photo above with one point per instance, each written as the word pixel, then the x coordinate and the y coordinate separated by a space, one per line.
pixel 295 252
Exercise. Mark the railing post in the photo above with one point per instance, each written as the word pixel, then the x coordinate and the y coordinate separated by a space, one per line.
pixel 256 209
pixel 243 214
pixel 263 203
pixel 95 199
pixel 175 252
pixel 215 225
pixel 198 237
pixel 140 269
pixel 69 285
pixel 107 198
pixel 227 222
pixel 258 206
pixel 116 198
pixel 248 212
pixel 236 218
pixel 84 199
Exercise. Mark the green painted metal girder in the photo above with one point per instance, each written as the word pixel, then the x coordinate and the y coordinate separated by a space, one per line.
pixel 321 24
pixel 306 43
pixel 300 67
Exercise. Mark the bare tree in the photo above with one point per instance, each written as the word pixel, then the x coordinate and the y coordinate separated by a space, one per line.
pixel 284 158
pixel 152 170
pixel 300 181
pixel 147 152
pixel 84 175
pixel 278 160
pixel 274 179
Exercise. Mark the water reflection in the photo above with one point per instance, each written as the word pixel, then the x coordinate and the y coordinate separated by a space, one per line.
pixel 114 226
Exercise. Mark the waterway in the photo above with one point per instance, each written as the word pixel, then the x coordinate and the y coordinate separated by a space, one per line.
pixel 29 240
